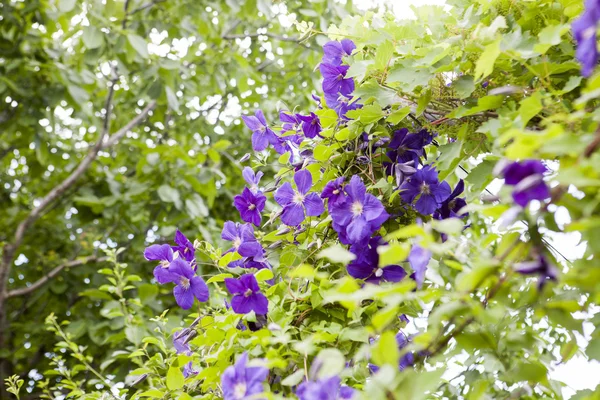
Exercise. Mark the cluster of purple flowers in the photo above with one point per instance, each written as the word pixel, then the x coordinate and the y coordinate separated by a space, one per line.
pixel 299 203
pixel 324 389
pixel 527 177
pixel 178 265
pixel 180 342
pixel 585 32
pixel 240 381
pixel 336 86
pixel 251 202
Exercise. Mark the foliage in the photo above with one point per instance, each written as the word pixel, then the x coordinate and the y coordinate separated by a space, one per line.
pixel 459 96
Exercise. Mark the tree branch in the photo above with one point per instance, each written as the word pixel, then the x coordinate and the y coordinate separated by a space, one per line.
pixel 115 137
pixel 42 281
pixel 145 6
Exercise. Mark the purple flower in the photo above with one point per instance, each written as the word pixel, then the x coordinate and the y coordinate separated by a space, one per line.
pixel 298 204
pixel 179 341
pixel 324 389
pixel 335 81
pixel 418 258
pixel 334 191
pixel 250 205
pixel 262 135
pixel 162 253
pixel 407 360
pixel 424 185
pixel 242 238
pixel 290 121
pixel 405 146
pixel 184 247
pixel 311 125
pixel 540 267
pixel 247 295
pixel 334 51
pixel 241 382
pixel 188 284
pixel 584 30
pixel 359 215
pixel 366 264
pixel 528 180
pixel 252 179
pixel 452 205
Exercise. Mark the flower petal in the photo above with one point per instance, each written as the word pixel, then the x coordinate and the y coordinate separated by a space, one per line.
pixel 183 297
pixel 426 204
pixel 199 288
pixel 314 205
pixel 159 252
pixel 234 286
pixel 252 122
pixel 164 275
pixel 230 231
pixel 259 303
pixel 241 304
pixel 181 267
pixel 293 214
pixel 356 189
pixel 358 229
pixel 285 194
pixel 303 179
pixel 393 273
pixel 260 141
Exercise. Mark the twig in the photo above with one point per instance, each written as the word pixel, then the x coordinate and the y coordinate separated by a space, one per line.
pixel 40 282
pixel 145 6
pixel 114 138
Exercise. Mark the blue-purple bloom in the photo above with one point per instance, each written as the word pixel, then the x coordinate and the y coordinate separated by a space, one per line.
pixel 406 147
pixel 188 284
pixel 334 192
pixel 298 204
pixel 334 51
pixel 324 389
pixel 528 179
pixel 335 81
pixel 418 258
pixel 242 382
pixel 540 267
pixel 250 205
pixel 247 295
pixel 425 188
pixel 252 179
pixel 311 125
pixel 453 204
pixel 184 247
pixel 585 32
pixel 181 347
pixel 262 135
pixel 242 238
pixel 359 215
pixel 366 264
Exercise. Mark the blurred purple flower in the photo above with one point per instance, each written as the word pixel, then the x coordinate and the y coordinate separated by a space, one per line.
pixel 585 33
pixel 298 204
pixel 528 179
pixel 540 267
pixel 242 382
pixel 424 185
pixel 366 264
pixel 418 258
pixel 181 347
pixel 252 179
pixel 324 389
pixel 452 205
pixel 250 205
pixel 247 295
pixel 334 192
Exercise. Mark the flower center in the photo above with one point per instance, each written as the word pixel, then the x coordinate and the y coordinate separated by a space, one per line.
pixel 298 198
pixel 357 208
pixel 165 263
pixel 378 272
pixel 248 293
pixel 452 204
pixel 336 191
pixel 239 390
pixel 425 188
pixel 184 282
pixel 237 242
pixel 339 77
pixel 251 207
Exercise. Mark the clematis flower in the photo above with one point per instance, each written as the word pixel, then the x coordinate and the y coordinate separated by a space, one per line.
pixel 188 284
pixel 181 347
pixel 184 247
pixel 341 104
pixel 242 237
pixel 311 125
pixel 247 295
pixel 252 179
pixel 418 258
pixel 540 267
pixel 528 179
pixel 162 253
pixel 334 51
pixel 405 147
pixel 298 204
pixel 452 205
pixel 242 382
pixel 359 215
pixel 250 205
pixel 324 389
pixel 335 81
pixel 262 135
pixel 585 33
pixel 425 186
pixel 290 121
pixel 366 264
pixel 334 192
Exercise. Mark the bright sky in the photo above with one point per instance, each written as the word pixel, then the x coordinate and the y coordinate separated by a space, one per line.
pixel 578 373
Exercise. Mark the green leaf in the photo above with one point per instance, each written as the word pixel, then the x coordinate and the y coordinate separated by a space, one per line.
pixel 65 6
pixel 398 115
pixel 152 393
pixel 139 44
pixel 330 362
pixel 423 102
pixel 172 99
pixel 327 117
pixel 169 195
pixel 530 107
pixel 175 378
pixel 386 352
pixel 367 114
pixel 135 334
pixel 264 275
pixel 393 253
pixel 384 53
pixel 485 63
pixel 337 254
pixel 92 37
pixel 593 348
pixel 464 86
pixel 293 379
